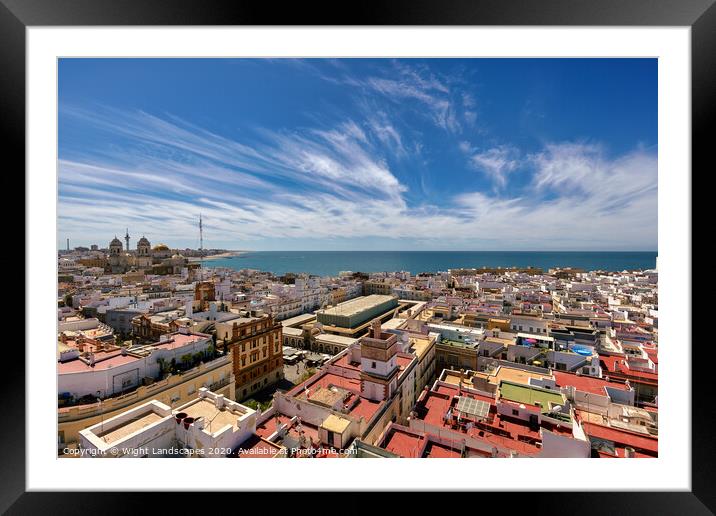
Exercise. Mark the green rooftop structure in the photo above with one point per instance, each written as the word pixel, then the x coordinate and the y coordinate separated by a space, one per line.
pixel 357 311
pixel 528 395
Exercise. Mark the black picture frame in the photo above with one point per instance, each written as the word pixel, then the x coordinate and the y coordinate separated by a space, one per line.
pixel 700 15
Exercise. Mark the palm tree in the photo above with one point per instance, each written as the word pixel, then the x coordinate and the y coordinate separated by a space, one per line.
pixel 186 359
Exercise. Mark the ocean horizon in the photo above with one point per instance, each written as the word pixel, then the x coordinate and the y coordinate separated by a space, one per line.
pixel 330 263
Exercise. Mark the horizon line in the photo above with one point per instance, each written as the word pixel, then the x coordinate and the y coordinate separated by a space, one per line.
pixel 59 248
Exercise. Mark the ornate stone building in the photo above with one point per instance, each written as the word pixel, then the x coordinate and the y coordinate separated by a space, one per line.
pixel 157 260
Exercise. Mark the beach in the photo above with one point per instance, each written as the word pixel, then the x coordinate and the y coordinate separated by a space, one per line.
pixel 219 256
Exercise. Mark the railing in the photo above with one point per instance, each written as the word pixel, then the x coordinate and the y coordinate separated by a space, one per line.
pixel 70 413
pixel 220 384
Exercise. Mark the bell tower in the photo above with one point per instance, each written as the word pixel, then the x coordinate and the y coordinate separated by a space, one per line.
pixel 379 363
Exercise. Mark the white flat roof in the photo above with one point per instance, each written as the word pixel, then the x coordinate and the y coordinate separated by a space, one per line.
pixel 337 339
pixel 357 305
pixel 299 319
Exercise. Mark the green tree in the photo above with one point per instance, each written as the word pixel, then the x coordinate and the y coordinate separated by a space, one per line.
pixel 186 360
pixel 307 374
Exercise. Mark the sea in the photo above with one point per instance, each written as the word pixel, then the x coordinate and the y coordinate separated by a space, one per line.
pixel 330 263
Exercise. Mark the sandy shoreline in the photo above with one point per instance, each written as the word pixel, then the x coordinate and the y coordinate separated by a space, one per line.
pixel 218 256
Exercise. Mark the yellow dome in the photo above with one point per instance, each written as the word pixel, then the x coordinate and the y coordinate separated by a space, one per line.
pixel 160 247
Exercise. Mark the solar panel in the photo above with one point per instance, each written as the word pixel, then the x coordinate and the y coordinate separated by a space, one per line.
pixel 473 407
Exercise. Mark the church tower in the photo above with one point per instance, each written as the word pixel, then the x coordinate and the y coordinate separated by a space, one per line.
pixel 144 258
pixel 379 363
pixel 115 247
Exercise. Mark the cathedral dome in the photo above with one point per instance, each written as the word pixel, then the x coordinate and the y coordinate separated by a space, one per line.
pixel 143 242
pixel 115 242
pixel 160 247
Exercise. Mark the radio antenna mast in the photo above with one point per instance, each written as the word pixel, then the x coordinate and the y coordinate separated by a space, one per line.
pixel 201 243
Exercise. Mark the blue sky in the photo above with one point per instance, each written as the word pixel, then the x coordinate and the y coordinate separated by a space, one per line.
pixel 370 154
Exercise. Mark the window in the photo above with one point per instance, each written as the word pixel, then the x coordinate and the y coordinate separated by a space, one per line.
pixel 515 412
pixel 373 365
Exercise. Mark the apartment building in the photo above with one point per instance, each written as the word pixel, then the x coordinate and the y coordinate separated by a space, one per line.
pixel 256 345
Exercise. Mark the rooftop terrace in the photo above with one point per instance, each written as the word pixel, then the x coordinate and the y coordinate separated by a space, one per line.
pixel 214 418
pixel 130 426
pixel 529 395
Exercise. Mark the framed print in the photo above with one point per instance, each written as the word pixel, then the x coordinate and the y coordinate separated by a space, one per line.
pixel 448 237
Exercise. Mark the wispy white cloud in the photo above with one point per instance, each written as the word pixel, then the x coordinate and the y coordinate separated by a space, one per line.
pixel 328 183
pixel 434 96
pixel 496 162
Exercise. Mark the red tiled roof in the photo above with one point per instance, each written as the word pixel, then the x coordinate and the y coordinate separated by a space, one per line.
pixel 614 367
pixel 328 379
pixel 365 408
pixel 501 431
pixel 404 444
pixel 641 443
pixel 271 425
pixel 103 361
pixel 343 362
pixel 179 340
pixel 586 383
pixel 437 450
pixel 404 361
